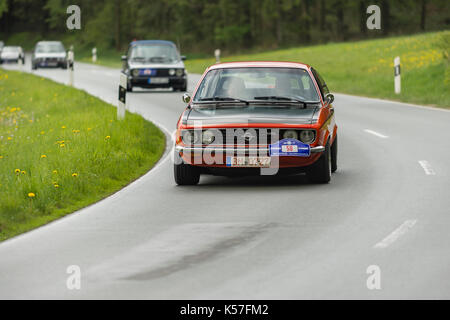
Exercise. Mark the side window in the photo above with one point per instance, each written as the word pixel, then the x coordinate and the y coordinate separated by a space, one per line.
pixel 322 85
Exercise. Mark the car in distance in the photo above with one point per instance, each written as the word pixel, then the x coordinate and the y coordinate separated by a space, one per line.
pixel 49 54
pixel 257 118
pixel 154 64
pixel 12 54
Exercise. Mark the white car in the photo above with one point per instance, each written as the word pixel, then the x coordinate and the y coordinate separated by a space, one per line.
pixel 49 54
pixel 12 54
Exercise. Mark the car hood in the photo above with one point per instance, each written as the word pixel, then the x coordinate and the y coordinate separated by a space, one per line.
pixel 50 55
pixel 10 55
pixel 253 114
pixel 139 65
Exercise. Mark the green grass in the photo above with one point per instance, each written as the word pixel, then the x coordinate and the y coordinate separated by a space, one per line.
pixel 366 67
pixel 65 147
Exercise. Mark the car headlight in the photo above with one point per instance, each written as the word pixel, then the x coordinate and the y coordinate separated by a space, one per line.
pixel 307 136
pixel 180 72
pixel 290 134
pixel 208 137
pixel 135 72
pixel 171 72
pixel 191 137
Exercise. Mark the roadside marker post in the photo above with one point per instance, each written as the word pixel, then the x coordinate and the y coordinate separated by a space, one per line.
pixel 217 55
pixel 94 55
pixel 70 65
pixel 122 97
pixel 397 78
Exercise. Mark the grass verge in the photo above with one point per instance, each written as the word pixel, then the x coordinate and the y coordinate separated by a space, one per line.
pixel 366 67
pixel 62 149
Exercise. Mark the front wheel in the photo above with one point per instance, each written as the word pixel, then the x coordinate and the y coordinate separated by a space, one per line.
pixel 185 174
pixel 320 171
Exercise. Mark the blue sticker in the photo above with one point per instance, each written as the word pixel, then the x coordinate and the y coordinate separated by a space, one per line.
pixel 147 72
pixel 228 161
pixel 290 148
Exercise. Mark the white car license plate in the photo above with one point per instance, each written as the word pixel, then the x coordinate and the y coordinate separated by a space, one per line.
pixel 158 80
pixel 289 148
pixel 249 162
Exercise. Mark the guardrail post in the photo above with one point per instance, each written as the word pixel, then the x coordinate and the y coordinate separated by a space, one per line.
pixel 70 65
pixel 397 78
pixel 122 96
pixel 217 55
pixel 94 55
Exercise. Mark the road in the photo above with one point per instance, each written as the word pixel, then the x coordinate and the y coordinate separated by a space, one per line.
pixel 260 237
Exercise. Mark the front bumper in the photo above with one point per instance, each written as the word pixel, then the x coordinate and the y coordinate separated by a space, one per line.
pixel 146 82
pixel 216 156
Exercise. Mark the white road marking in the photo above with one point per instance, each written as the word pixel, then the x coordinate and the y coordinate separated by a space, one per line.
pixel 397 233
pixel 376 133
pixel 427 167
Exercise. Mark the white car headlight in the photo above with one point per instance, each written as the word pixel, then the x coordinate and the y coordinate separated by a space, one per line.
pixel 191 137
pixel 180 72
pixel 307 136
pixel 290 134
pixel 171 72
pixel 208 137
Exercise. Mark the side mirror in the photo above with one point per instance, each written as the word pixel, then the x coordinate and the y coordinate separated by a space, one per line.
pixel 330 98
pixel 183 58
pixel 124 58
pixel 186 98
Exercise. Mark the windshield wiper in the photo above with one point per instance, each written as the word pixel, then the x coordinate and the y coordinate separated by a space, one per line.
pixel 225 99
pixel 287 99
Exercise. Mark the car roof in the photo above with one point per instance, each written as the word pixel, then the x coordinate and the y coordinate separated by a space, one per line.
pixel 152 42
pixel 260 64
pixel 45 42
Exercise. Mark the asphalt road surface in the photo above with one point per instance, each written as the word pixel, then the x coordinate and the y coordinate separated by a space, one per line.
pixel 388 205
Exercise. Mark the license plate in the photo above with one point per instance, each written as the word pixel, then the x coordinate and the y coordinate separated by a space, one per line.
pixel 249 162
pixel 158 80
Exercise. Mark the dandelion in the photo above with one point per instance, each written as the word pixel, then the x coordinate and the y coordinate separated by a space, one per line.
pixel 74 174
pixel 17 171
pixel 62 145
pixel 1 157
pixel 23 172
pixel 63 127
pixel 107 137
pixel 55 171
pixel 43 156
pixel 56 186
pixel 42 132
pixel 9 138
pixel 31 195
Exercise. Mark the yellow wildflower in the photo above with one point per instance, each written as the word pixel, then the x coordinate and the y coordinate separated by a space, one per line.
pixel 23 172
pixel 74 174
pixel 31 195
pixel 43 156
pixel 108 137
pixel 17 171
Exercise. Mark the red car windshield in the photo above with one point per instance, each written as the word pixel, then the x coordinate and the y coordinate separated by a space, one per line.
pixel 257 84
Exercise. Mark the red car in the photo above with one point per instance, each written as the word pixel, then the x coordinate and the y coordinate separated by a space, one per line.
pixel 257 118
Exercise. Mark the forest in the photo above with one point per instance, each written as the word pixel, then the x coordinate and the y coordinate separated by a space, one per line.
pixel 199 26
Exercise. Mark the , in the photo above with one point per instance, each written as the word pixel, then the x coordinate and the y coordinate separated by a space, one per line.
pixel 49 54
pixel 154 64
pixel 248 118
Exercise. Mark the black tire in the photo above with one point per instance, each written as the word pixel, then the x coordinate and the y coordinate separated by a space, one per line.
pixel 334 154
pixel 320 171
pixel 129 87
pixel 185 174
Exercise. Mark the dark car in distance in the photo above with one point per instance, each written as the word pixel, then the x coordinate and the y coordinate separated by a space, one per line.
pixel 154 64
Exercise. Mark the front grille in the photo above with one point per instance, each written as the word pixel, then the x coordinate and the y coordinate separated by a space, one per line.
pixel 250 136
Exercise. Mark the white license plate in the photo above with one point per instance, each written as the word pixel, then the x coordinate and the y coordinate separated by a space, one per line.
pixel 289 148
pixel 158 80
pixel 249 162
